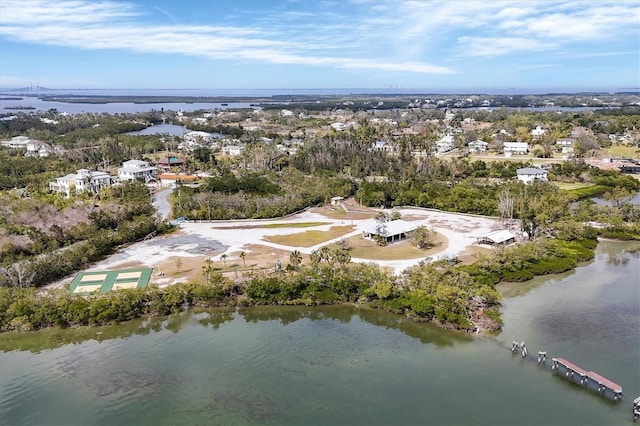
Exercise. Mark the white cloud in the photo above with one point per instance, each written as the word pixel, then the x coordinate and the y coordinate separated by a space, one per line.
pixel 497 46
pixel 391 35
pixel 111 25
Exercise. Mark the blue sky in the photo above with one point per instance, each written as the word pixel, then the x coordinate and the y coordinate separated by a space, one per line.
pixel 276 44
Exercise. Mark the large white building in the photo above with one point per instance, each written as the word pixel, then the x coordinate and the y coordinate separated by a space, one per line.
pixel 17 142
pixel 81 181
pixel 515 148
pixel 531 174
pixel 136 170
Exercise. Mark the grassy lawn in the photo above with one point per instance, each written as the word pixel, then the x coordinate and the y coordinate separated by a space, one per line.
pixel 274 225
pixel 367 249
pixel 622 151
pixel 339 213
pixel 567 186
pixel 292 225
pixel 309 238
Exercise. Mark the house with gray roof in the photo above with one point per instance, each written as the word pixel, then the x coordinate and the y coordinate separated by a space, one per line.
pixel 391 231
pixel 531 174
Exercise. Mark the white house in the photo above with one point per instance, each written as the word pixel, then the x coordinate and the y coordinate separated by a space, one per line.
pixel 381 146
pixel 197 137
pixel 530 174
pixel 17 142
pixel 338 127
pixel 445 143
pixel 565 144
pixel 232 150
pixel 538 132
pixel 136 169
pixel 81 181
pixel 478 146
pixel 38 149
pixel 515 148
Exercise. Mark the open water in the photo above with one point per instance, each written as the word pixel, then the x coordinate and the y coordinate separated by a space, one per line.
pixel 30 99
pixel 340 365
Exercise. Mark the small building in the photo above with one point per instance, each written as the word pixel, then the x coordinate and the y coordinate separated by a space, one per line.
pixel 136 170
pixel 515 148
pixel 335 201
pixel 391 231
pixel 478 146
pixel 502 236
pixel 530 174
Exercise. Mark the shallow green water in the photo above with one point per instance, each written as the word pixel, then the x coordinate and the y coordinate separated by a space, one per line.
pixel 339 365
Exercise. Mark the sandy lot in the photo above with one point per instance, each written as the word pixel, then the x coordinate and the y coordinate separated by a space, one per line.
pixel 179 257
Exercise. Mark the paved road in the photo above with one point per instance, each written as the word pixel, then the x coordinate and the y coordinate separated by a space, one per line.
pixel 161 203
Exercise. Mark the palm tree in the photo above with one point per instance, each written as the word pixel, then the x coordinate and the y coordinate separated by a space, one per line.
pixel 295 258
pixel 243 256
pixel 224 259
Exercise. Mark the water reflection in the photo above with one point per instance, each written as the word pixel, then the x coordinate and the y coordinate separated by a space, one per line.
pixel 51 338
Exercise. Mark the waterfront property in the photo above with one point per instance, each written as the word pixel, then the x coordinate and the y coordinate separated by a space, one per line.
pixel 391 231
pixel 502 236
pixel 104 281
pixel 531 174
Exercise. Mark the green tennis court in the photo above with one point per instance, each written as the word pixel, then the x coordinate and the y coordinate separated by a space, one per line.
pixel 87 282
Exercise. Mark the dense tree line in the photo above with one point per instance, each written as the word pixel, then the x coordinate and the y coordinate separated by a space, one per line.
pixel 442 292
pixel 252 195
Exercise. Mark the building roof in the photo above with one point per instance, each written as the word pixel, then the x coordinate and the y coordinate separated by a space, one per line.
pixel 498 237
pixel 197 133
pixel 134 162
pixel 516 144
pixel 394 227
pixel 135 169
pixel 530 171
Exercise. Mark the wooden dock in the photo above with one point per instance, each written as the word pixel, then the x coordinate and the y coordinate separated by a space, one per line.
pixel 588 377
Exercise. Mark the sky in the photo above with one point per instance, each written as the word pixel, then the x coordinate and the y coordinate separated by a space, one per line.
pixel 299 44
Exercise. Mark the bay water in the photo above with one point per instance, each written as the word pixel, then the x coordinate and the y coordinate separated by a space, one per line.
pixel 346 365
